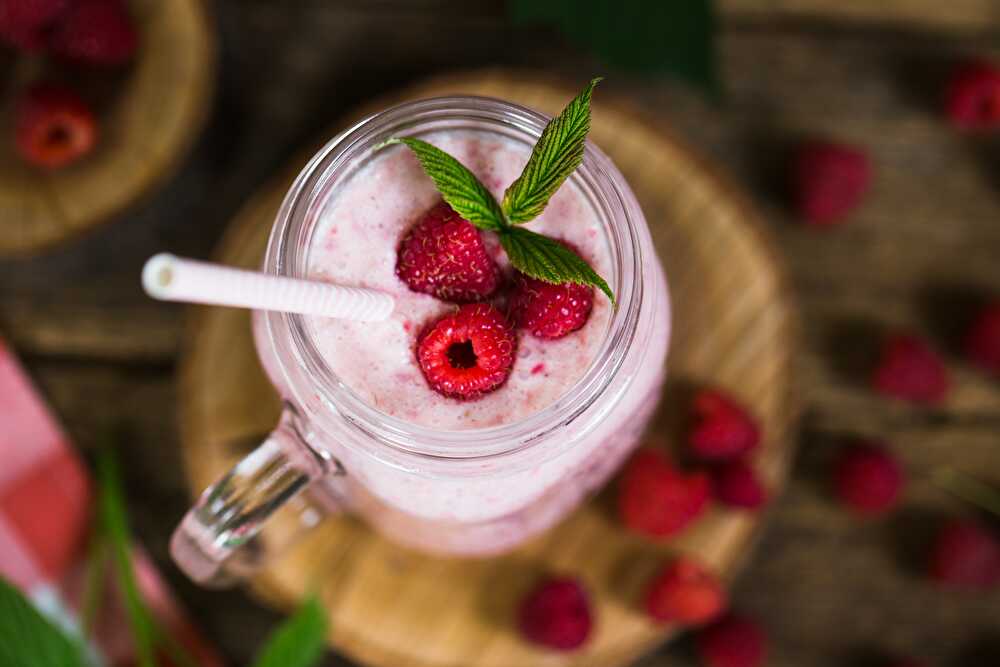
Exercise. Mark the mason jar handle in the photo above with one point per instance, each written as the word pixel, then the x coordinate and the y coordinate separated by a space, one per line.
pixel 217 543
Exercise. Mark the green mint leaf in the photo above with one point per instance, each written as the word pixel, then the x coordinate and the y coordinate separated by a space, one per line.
pixel 299 641
pixel 558 152
pixel 540 257
pixel 28 639
pixel 647 36
pixel 459 186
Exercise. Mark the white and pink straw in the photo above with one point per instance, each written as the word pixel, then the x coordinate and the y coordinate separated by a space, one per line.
pixel 171 278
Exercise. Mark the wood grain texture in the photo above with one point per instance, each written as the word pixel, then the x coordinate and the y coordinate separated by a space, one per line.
pixel 148 116
pixel 734 327
pixel 977 15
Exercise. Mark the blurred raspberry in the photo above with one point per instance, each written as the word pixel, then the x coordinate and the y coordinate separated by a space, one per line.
pixel 829 180
pixel 965 555
pixel 556 614
pixel 23 23
pixel 657 499
pixel 982 341
pixel 95 32
pixel 972 99
pixel 736 484
pixel 910 369
pixel 734 641
pixel 53 127
pixel 686 593
pixel 722 428
pixel 867 478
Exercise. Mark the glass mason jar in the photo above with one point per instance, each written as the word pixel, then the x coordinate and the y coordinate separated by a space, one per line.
pixel 467 492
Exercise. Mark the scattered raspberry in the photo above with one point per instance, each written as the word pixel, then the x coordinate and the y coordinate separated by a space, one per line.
pixel 972 100
pixel 97 32
pixel 736 484
pixel 53 126
pixel 734 641
pixel 911 370
pixel 556 614
pixel 828 181
pixel 723 429
pixel 685 592
pixel 444 255
pixel 547 310
pixel 656 499
pixel 965 555
pixel 982 342
pixel 469 353
pixel 867 478
pixel 23 23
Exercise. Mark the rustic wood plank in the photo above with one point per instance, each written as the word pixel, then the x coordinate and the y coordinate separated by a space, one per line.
pixel 977 15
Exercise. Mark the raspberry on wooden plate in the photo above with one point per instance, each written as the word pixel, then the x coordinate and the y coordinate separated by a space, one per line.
pixel 722 429
pixel 658 500
pixel 95 32
pixel 910 369
pixel 867 478
pixel 829 180
pixel 53 127
pixel 972 99
pixel 556 614
pixel 684 592
pixel 444 255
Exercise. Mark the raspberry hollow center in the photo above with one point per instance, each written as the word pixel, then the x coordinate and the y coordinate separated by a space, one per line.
pixel 462 355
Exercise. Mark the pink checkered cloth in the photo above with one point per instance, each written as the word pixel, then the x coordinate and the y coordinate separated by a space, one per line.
pixel 45 508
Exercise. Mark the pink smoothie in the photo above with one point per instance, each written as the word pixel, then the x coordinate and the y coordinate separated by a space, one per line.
pixel 355 243
pixel 503 500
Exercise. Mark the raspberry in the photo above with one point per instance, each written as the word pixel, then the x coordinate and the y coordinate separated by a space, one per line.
pixel 867 478
pixel 723 429
pixel 656 499
pixel 829 180
pixel 97 32
pixel 23 23
pixel 982 342
pixel 685 592
pixel 911 370
pixel 736 484
pixel 556 614
pixel 972 98
pixel 444 255
pixel 468 353
pixel 965 555
pixel 53 126
pixel 547 310
pixel 734 641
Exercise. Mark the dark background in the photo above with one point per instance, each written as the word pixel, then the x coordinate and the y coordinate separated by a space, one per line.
pixel 832 590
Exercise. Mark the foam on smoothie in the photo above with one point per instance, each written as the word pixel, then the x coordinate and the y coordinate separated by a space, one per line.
pixel 355 242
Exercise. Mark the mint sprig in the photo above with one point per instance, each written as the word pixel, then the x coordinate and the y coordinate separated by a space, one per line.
pixel 558 152
pixel 29 638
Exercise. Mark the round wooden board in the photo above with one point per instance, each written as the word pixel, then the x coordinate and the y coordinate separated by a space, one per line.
pixel 148 115
pixel 734 326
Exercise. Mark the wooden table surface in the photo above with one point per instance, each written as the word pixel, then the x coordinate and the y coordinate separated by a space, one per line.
pixel 833 591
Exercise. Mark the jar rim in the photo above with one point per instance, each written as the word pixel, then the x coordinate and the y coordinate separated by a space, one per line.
pixel 296 353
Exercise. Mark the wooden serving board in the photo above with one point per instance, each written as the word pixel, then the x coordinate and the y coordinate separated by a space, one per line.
pixel 149 112
pixel 734 326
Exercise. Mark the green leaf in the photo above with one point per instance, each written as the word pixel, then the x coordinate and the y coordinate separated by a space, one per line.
pixel 540 257
pixel 114 524
pixel 558 152
pixel 459 186
pixel 651 36
pixel 28 639
pixel 299 641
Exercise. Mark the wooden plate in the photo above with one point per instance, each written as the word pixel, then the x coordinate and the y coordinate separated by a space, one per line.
pixel 734 327
pixel 149 114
